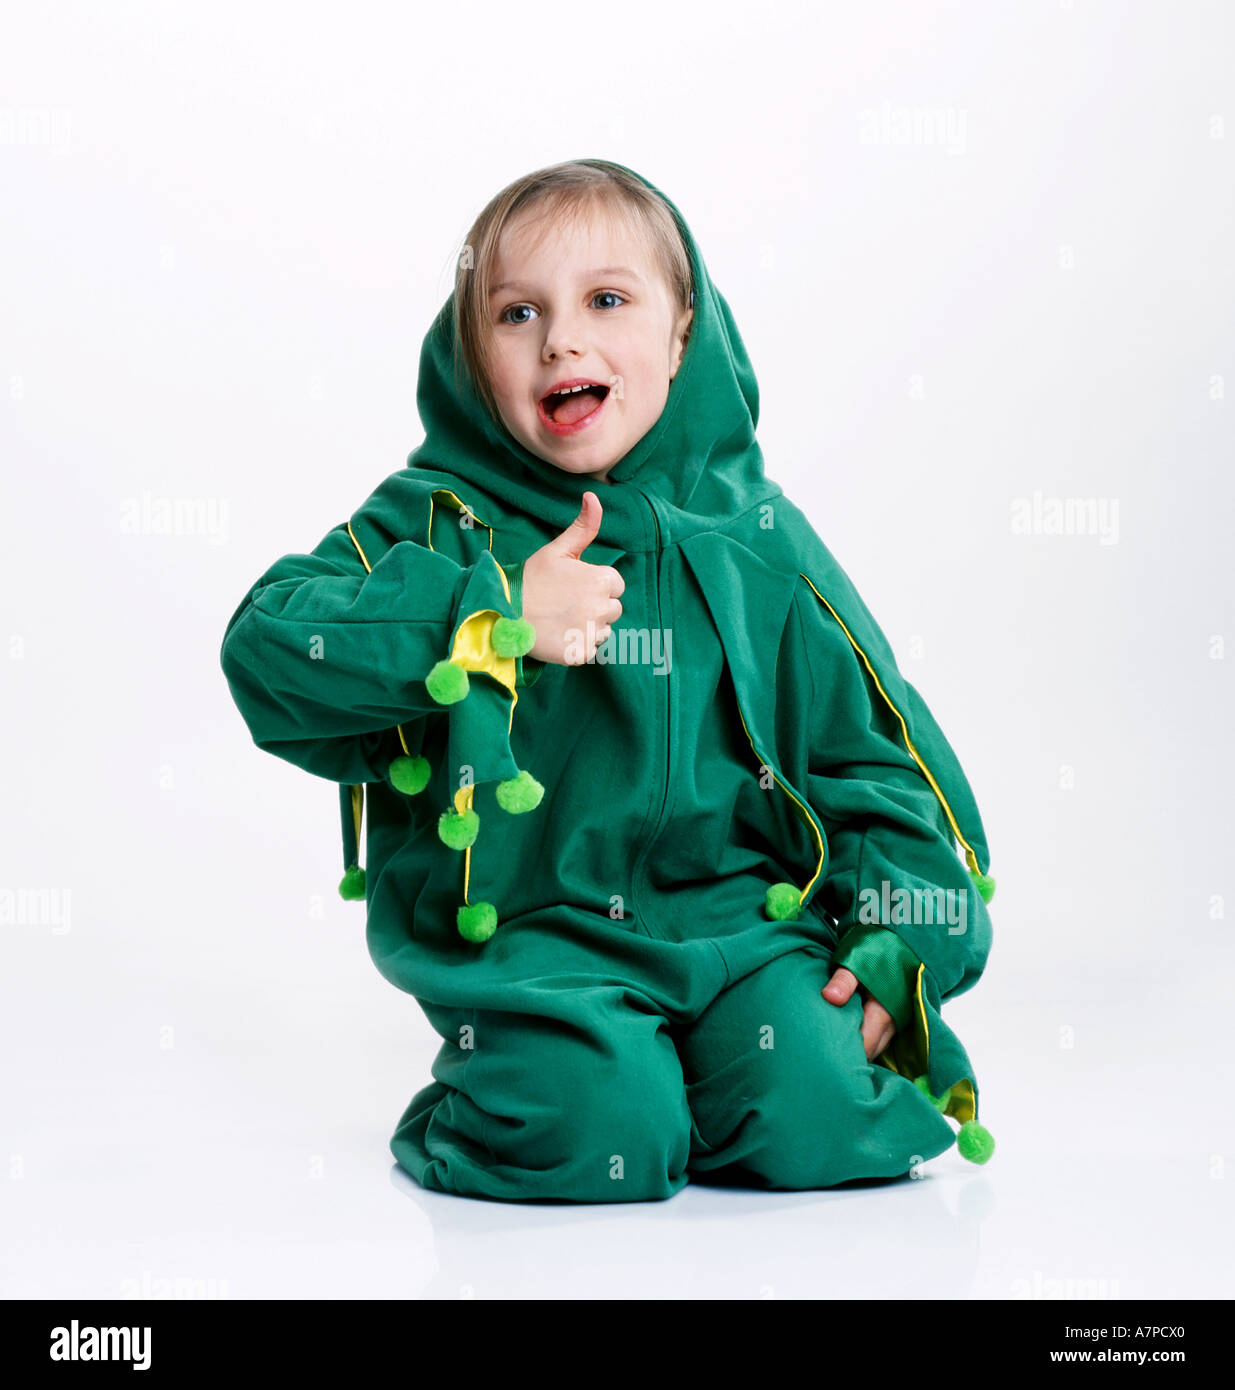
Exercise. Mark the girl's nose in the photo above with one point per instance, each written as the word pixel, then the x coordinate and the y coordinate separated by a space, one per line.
pixel 562 337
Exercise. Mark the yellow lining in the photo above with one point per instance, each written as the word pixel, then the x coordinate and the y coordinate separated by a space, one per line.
pixel 473 650
pixel 913 1051
pixel 926 772
pixel 806 815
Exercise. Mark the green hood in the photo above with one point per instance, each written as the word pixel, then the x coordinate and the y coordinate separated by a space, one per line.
pixel 700 460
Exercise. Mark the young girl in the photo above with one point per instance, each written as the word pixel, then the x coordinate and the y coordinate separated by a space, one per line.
pixel 659 838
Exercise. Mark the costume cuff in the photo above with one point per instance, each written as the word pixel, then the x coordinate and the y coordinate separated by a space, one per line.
pixel 527 668
pixel 883 964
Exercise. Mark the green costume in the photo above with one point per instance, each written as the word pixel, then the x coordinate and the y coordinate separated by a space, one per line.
pixel 617 889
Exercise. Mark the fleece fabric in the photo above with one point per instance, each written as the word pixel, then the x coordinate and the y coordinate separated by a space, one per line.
pixel 617 889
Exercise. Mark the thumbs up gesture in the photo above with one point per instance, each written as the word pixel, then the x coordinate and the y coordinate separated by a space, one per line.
pixel 570 602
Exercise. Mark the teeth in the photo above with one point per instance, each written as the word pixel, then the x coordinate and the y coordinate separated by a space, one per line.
pixel 568 391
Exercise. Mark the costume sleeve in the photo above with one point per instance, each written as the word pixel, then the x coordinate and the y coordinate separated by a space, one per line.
pixel 527 668
pixel 324 658
pixel 892 866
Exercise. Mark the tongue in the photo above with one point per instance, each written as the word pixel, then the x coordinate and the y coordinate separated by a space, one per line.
pixel 576 406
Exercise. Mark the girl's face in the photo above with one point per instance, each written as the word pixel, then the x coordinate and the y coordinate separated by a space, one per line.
pixel 585 305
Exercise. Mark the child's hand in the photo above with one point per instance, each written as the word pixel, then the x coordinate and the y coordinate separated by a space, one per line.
pixel 563 594
pixel 877 1025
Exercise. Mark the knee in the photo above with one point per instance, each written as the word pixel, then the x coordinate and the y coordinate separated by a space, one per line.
pixel 809 1110
pixel 796 1126
pixel 596 1124
pixel 851 1122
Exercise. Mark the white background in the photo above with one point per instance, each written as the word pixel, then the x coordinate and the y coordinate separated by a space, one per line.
pixel 226 230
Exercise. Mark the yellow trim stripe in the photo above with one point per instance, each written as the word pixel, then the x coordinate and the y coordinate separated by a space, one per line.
pixel 961 1101
pixel 917 757
pixel 359 547
pixel 463 802
pixel 915 1053
pixel 357 811
pixel 459 505
pixel 505 583
pixel 803 812
pixel 358 790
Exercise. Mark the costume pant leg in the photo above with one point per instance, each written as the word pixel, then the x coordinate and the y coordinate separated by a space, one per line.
pixel 782 1094
pixel 583 1102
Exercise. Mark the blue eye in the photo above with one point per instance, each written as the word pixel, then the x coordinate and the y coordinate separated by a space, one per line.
pixel 504 316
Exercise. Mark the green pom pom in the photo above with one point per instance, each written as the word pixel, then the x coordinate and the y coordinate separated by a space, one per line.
pixel 352 885
pixel 409 775
pixel 985 885
pixel 447 683
pixel 782 902
pixel 974 1142
pixel 512 637
pixel 458 829
pixel 477 921
pixel 521 793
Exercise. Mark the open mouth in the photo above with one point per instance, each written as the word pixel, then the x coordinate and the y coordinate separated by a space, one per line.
pixel 572 405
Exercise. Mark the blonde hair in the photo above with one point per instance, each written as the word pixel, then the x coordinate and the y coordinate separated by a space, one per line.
pixel 561 191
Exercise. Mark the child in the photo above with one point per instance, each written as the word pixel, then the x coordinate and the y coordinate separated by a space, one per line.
pixel 647 795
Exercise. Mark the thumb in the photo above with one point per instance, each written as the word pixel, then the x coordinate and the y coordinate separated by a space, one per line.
pixel 581 532
pixel 840 987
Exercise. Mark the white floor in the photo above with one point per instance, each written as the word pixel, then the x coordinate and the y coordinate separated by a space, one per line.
pixel 227 1137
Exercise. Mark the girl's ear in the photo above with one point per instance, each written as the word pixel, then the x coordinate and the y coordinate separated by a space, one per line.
pixel 683 337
